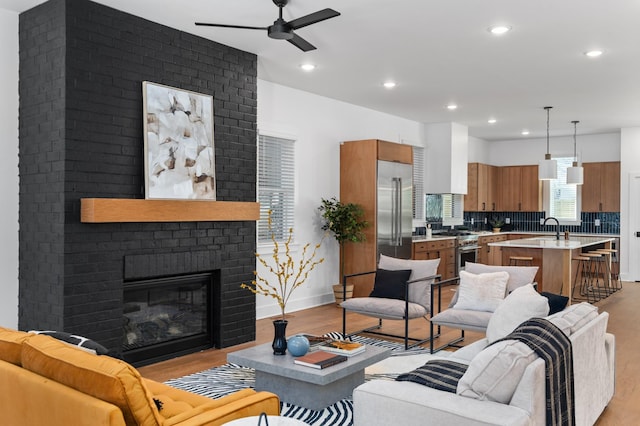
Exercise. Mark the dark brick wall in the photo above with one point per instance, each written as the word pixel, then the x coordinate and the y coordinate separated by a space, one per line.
pixel 81 71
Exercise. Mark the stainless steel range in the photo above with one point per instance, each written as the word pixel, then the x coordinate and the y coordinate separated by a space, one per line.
pixel 466 247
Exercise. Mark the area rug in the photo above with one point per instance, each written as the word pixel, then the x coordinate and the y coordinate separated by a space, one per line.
pixel 220 381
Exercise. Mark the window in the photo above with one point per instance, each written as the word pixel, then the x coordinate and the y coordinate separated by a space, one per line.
pixel 418 183
pixel 452 209
pixel 561 201
pixel 276 187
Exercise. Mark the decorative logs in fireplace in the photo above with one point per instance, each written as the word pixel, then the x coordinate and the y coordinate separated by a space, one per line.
pixel 167 317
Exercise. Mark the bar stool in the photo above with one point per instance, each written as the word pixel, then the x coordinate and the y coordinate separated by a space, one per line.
pixel 599 278
pixel 582 282
pixel 610 259
pixel 520 261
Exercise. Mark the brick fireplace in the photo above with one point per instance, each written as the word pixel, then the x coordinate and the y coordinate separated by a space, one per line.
pixel 81 71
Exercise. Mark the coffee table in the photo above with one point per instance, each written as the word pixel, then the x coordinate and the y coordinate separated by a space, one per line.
pixel 305 386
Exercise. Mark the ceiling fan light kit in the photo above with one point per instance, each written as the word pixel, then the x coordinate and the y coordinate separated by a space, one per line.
pixel 283 30
pixel 548 168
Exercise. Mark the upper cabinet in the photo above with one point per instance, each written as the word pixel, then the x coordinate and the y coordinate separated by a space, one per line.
pixel 482 189
pixel 520 189
pixel 601 188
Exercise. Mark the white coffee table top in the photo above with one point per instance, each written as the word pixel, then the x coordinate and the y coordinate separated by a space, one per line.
pixel 273 421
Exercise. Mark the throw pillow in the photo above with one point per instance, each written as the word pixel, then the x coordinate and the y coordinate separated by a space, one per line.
pixel 523 304
pixel 494 374
pixel 518 275
pixel 574 317
pixel 482 292
pixel 557 302
pixel 390 284
pixel 419 292
pixel 74 340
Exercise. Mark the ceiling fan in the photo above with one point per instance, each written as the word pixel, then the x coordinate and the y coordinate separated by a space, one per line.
pixel 283 30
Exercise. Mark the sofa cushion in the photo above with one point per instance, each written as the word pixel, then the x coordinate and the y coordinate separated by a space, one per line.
pixel 11 345
pixel 390 284
pixel 419 292
pixel 494 373
pixel 482 292
pixel 522 304
pixel 574 317
pixel 75 340
pixel 518 275
pixel 102 377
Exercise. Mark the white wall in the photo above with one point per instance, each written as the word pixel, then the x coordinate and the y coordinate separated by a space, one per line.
pixel 9 168
pixel 629 211
pixel 319 124
pixel 590 148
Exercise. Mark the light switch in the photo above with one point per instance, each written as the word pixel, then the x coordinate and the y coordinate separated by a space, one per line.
pixel 596 222
pixel 507 220
pixel 541 221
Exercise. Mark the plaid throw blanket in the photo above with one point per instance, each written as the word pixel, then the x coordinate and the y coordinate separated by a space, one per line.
pixel 438 374
pixel 554 347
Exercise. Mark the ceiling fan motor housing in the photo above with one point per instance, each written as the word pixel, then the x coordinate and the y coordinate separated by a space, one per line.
pixel 280 30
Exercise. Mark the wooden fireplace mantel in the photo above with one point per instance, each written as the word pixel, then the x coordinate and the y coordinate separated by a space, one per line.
pixel 111 210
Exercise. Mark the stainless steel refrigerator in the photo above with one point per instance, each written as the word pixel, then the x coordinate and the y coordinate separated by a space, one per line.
pixel 395 212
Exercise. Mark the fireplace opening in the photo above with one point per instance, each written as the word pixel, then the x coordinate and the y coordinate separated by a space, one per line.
pixel 167 317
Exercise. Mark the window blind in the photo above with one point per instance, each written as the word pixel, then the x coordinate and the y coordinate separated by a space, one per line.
pixel 418 183
pixel 563 203
pixel 276 187
pixel 452 209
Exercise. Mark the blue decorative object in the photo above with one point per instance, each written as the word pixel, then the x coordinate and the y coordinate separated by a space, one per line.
pixel 298 345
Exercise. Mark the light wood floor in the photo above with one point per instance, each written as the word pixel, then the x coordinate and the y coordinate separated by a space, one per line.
pixel 624 323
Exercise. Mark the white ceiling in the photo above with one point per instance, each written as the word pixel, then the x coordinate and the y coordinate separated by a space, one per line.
pixel 439 51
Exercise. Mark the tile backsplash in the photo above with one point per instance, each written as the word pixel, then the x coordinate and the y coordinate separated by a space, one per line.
pixel 530 222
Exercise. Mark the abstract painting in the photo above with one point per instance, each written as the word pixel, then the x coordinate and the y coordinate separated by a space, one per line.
pixel 178 143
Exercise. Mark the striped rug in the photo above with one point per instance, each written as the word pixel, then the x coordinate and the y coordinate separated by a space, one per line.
pixel 220 381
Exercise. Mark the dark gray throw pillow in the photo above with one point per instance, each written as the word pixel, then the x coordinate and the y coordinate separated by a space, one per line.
pixel 390 284
pixel 557 302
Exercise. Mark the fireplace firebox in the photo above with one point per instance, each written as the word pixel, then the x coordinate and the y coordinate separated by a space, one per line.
pixel 167 317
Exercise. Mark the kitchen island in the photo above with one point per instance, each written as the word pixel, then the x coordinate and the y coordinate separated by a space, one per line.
pixel 553 257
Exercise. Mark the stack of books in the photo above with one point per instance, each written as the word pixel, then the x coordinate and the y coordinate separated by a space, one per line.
pixel 343 347
pixel 316 341
pixel 320 359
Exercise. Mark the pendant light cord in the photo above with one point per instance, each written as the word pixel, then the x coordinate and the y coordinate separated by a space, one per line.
pixel 547 108
pixel 575 152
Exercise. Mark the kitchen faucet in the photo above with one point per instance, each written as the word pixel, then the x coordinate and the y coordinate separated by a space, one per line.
pixel 557 226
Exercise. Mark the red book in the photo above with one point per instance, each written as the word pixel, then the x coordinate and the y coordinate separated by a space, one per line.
pixel 320 359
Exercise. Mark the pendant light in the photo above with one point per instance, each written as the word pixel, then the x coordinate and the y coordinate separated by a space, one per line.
pixel 575 174
pixel 548 168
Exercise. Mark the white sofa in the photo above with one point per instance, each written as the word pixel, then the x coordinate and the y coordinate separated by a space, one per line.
pixel 385 402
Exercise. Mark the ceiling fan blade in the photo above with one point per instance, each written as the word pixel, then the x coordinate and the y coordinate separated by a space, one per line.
pixel 312 18
pixel 301 43
pixel 206 24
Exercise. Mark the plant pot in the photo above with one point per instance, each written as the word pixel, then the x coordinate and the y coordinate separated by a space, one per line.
pixel 338 292
pixel 496 229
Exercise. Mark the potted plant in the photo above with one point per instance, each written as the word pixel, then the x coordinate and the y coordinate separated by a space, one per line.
pixel 284 275
pixel 496 223
pixel 345 221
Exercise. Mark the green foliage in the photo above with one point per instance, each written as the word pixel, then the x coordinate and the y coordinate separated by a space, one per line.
pixel 496 222
pixel 343 220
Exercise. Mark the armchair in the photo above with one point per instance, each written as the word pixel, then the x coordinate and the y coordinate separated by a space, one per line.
pixel 402 292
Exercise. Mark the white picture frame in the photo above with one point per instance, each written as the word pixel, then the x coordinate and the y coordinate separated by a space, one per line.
pixel 179 150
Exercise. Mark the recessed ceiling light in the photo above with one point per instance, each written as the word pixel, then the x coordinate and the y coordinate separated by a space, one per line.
pixel 525 132
pixel 452 107
pixel 389 84
pixel 307 67
pixel 593 53
pixel 499 29
pixel 492 121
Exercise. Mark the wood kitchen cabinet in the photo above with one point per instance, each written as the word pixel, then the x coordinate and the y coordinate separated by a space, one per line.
pixel 358 185
pixel 482 193
pixel 601 187
pixel 487 254
pixel 444 249
pixel 520 189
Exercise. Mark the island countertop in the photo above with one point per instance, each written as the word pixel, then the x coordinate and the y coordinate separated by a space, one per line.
pixel 574 242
